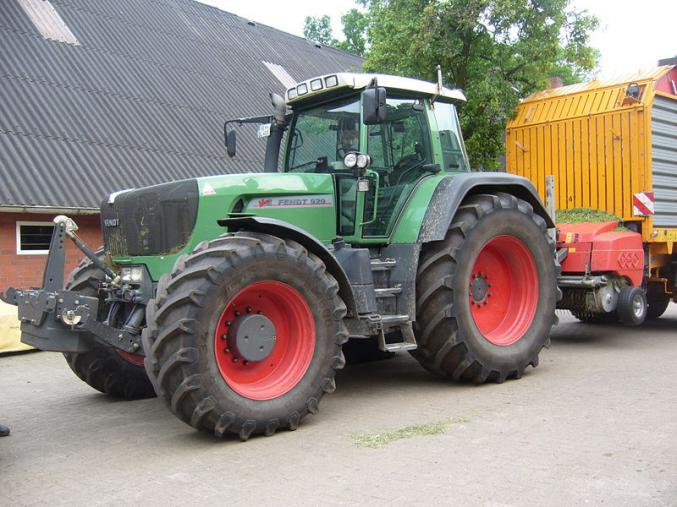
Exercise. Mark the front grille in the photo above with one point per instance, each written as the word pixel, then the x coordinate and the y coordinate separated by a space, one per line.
pixel 156 220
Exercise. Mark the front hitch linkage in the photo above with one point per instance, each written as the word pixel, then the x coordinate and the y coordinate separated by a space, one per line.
pixel 40 310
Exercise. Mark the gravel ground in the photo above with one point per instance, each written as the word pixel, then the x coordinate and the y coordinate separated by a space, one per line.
pixel 595 423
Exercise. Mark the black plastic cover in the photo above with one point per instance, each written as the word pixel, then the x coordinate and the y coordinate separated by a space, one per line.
pixel 156 220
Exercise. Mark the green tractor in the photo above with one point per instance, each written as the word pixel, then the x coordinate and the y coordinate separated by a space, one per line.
pixel 231 296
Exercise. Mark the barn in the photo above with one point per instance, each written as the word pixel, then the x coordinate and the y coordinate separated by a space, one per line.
pixel 99 96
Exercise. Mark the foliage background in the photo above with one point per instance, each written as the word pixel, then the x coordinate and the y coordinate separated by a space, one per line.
pixel 497 51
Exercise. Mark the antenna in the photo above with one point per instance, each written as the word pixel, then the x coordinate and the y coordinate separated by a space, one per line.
pixel 438 68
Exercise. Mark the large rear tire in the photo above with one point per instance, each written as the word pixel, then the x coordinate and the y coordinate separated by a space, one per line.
pixel 486 294
pixel 104 368
pixel 196 351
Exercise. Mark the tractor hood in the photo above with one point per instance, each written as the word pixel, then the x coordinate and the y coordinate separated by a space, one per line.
pixel 155 225
pixel 150 221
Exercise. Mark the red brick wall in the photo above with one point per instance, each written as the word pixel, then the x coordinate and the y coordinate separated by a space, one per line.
pixel 25 271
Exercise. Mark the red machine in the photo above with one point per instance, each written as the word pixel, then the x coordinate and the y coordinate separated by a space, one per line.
pixel 602 272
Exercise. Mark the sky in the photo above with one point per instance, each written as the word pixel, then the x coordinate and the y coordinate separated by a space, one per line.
pixel 633 35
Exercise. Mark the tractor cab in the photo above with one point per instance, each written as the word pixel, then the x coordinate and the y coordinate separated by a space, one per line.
pixel 378 136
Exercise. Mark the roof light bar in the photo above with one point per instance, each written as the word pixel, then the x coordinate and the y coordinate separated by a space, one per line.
pixel 331 81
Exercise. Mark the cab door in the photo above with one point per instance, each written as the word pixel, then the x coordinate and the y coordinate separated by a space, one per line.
pixel 401 154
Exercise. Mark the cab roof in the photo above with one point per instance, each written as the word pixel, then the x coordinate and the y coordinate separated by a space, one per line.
pixel 320 85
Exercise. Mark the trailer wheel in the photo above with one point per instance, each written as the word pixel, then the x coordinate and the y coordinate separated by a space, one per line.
pixel 632 306
pixel 657 300
pixel 106 369
pixel 486 294
pixel 245 335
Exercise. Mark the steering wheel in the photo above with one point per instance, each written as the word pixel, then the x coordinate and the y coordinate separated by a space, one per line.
pixel 342 151
pixel 405 166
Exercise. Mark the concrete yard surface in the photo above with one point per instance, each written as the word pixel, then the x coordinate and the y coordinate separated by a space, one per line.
pixel 595 423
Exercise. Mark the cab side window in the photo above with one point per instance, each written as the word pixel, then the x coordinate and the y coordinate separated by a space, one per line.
pixel 453 152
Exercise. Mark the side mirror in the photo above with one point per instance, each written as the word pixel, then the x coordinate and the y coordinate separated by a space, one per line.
pixel 231 142
pixel 374 106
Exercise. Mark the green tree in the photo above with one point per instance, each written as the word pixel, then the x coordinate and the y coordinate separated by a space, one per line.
pixel 496 50
pixel 318 30
pixel 354 31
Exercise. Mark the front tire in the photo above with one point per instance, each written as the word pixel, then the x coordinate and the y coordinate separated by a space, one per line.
pixel 486 294
pixel 106 369
pixel 194 357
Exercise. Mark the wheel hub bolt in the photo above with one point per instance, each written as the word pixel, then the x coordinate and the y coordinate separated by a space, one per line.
pixel 235 359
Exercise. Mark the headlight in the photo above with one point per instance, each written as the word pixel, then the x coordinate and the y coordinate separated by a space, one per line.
pixel 350 160
pixel 363 160
pixel 132 274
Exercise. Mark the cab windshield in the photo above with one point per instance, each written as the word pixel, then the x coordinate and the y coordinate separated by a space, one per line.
pixel 320 137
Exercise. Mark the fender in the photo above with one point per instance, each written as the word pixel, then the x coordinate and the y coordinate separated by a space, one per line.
pixel 283 229
pixel 452 190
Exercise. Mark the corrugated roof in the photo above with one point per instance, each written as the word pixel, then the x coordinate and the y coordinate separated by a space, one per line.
pixel 142 98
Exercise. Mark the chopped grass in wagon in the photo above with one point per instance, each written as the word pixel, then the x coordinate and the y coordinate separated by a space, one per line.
pixel 583 215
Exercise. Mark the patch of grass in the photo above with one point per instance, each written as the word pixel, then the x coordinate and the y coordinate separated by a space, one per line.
pixel 581 215
pixel 378 440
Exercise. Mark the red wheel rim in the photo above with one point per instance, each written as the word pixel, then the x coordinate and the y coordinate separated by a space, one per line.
pixel 504 290
pixel 294 345
pixel 135 359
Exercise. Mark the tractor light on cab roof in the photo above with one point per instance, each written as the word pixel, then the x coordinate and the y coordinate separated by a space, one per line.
pixel 350 160
pixel 291 94
pixel 330 81
pixel 302 89
pixel 316 84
